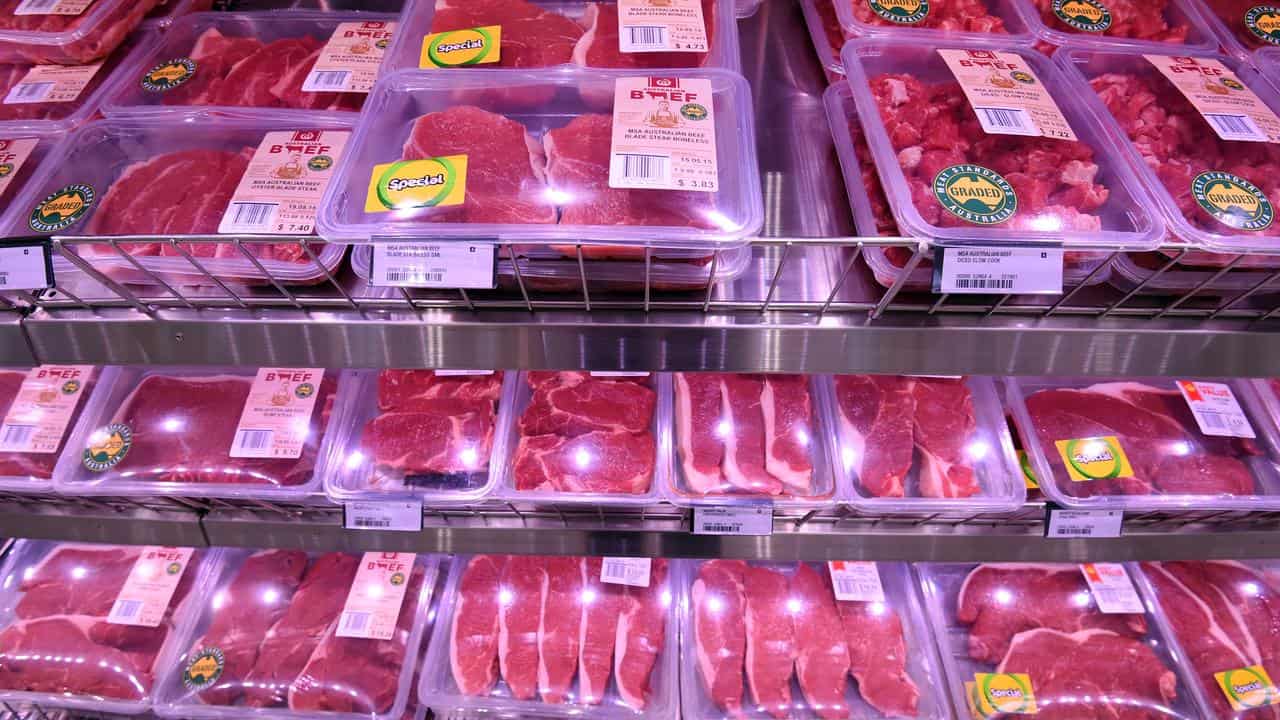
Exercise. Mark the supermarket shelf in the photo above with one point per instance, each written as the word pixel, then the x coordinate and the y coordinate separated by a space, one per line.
pixel 14 348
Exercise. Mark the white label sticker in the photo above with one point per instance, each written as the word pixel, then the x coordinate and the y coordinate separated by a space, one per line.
pixel 1084 523
pixel 276 420
pixel 434 266
pixel 856 581
pixel 38 418
pixel 1216 409
pixel 625 571
pixel 24 266
pixel 52 7
pixel 1006 95
pixel 976 270
pixel 617 373
pixel 13 153
pixel 1233 110
pixel 664 135
pixel 462 373
pixel 733 520
pixel 350 59
pixel 403 516
pixel 373 605
pixel 668 26
pixel 146 593
pixel 281 189
pixel 1112 589
pixel 51 84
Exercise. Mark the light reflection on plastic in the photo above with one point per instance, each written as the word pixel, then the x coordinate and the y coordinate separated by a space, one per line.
pixel 270 597
pixel 978 449
pixel 79 573
pixel 582 458
pixel 802 437
pixel 375 591
pixel 877 608
pixel 724 428
pixel 1081 599
pixel 559 197
pixel 666 598
pixel 794 606
pixel 219 599
pixel 1047 223
pixel 1004 597
pixel 849 458
pixel 715 604
pixel 1251 588
pixel 172 424
pixel 588 596
pixel 505 597
pixel 1181 448
pixel 469 457
pixel 355 460
pixel 720 220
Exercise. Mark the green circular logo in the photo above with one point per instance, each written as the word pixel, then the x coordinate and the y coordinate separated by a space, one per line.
pixel 975 193
pixel 60 209
pixel 694 111
pixel 173 568
pixel 1232 200
pixel 1023 77
pixel 1005 693
pixel 169 74
pixel 203 669
pixel 1085 15
pixel 416 183
pixel 304 390
pixel 1264 22
pixel 383 44
pixel 107 446
pixel 460 48
pixel 71 387
pixel 6 169
pixel 1247 688
pixel 320 163
pixel 1094 458
pixel 900 12
pixel 397 579
pixel 1232 83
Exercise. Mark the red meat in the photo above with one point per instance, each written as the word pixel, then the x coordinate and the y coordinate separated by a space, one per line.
pixel 948 15
pixel 598 46
pixel 1231 13
pixel 96 42
pixel 1133 19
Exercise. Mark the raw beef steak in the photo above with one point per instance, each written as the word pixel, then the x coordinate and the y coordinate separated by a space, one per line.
pixel 519 620
pixel 575 406
pixel 942 426
pixel 950 15
pixel 720 630
pixel 405 389
pixel 822 657
pixel 1137 19
pixel 698 410
pixel 771 649
pixel 878 657
pixel 599 45
pixel 598 634
pixel 642 634
pixel 36 465
pixel 559 625
pixel 91 43
pixel 473 638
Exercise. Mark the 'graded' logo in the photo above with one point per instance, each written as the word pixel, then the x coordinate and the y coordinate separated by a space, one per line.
pixel 204 669
pixel 61 208
pixel 902 12
pixel 169 74
pixel 1264 22
pixel 107 447
pixel 1086 15
pixel 975 193
pixel 1232 200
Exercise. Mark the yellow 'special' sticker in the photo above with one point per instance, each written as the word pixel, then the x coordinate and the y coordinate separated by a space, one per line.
pixel 410 184
pixel 1248 688
pixel 462 48
pixel 992 694
pixel 1028 474
pixel 1095 458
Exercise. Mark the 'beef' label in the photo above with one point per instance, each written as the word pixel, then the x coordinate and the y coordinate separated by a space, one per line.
pixel 412 184
pixel 1094 458
pixel 276 420
pixel 281 189
pixel 12 154
pixel 1231 108
pixel 349 62
pixel 462 48
pixel 38 418
pixel 1006 95
pixel 664 135
pixel 1247 688
pixel 378 591
pixel 146 594
pixel 51 84
pixel 993 694
pixel 661 26
pixel 1112 590
pixel 52 7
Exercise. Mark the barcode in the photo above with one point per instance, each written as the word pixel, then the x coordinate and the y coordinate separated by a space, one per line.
pixel 645 167
pixel 326 80
pixel 721 528
pixel 29 92
pixel 35 7
pixel 370 522
pixel 125 610
pixel 4 278
pixel 1235 127
pixel 413 275
pixel 253 439
pixel 1007 119
pixel 253 215
pixel 646 36
pixel 1073 531
pixel 15 437
pixel 355 621
pixel 846 586
pixel 984 283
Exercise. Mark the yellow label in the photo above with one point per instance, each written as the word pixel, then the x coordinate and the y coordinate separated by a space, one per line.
pixel 462 48
pixel 992 694
pixel 1028 475
pixel 1096 458
pixel 1247 688
pixel 409 184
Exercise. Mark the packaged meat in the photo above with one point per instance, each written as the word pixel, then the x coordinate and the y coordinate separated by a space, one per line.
pixel 421 125
pixel 21 156
pixel 300 66
pixel 1134 270
pixel 923 444
pixel 423 433
pixel 747 8
pixel 286 633
pixel 208 432
pixel 1152 26
pixel 750 436
pixel 583 438
pixel 1218 616
pixel 1018 639
pixel 116 177
pixel 39 407
pixel 956 176
pixel 554 637
pixel 826 34
pixel 1241 26
pixel 1147 444
pixel 75 630
pixel 790 640
pixel 934 21
pixel 1212 192
pixel 372 6
pixel 66 32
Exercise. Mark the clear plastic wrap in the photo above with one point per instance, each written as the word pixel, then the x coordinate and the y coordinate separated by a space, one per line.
pixel 68 39
pixel 1240 25
pixel 422 433
pixel 754 619
pixel 173 431
pixel 1134 269
pixel 583 439
pixel 587 649
pixel 826 35
pixel 562 193
pixel 58 647
pixel 934 21
pixel 21 158
pixel 264 641
pixel 1041 624
pixel 1133 444
pixel 1154 26
pixel 60 392
pixel 919 444
pixel 740 436
pixel 968 186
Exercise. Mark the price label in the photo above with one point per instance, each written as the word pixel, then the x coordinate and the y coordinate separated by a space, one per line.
pixel 979 270
pixel 469 266
pixel 856 581
pixel 1112 589
pixel 733 520
pixel 462 373
pixel 26 265
pixel 145 597
pixel 625 571
pixel 377 592
pixel 617 374
pixel 1216 409
pixel 403 516
pixel 1083 523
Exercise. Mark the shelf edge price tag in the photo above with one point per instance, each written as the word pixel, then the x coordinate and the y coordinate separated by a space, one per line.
pixel 733 520
pixel 1061 523
pixel 26 264
pixel 402 516
pixel 446 266
pixel 1025 270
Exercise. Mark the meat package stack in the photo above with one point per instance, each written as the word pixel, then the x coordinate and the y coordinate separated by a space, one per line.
pixel 751 436
pixel 1241 26
pixel 205 432
pixel 288 633
pixel 78 633
pixel 39 407
pixel 1025 640
pixel 924 444
pixel 674 174
pixel 1147 444
pixel 584 438
pixel 774 640
pixel 422 433
pixel 67 33
pixel 531 636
